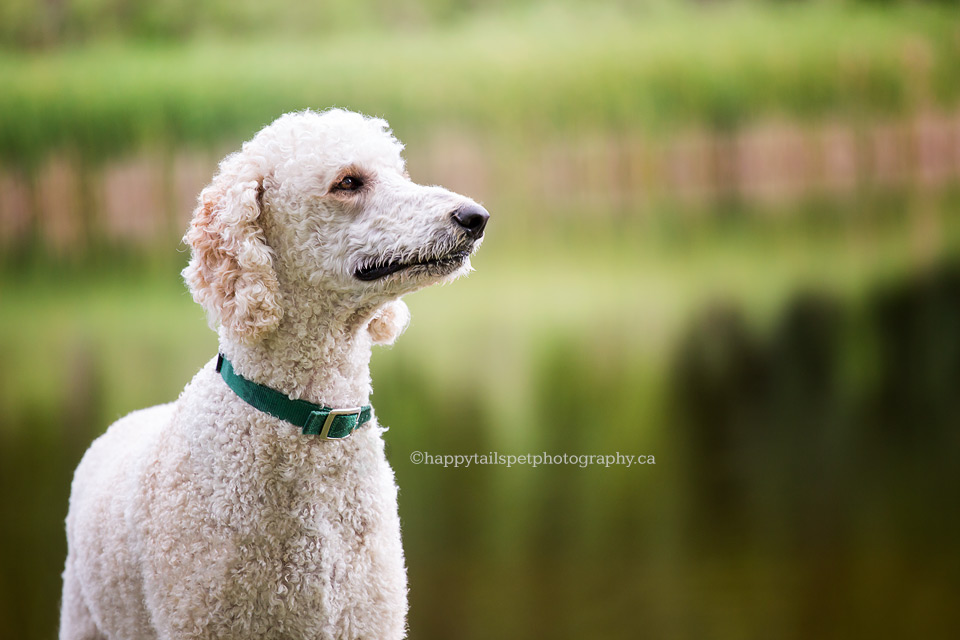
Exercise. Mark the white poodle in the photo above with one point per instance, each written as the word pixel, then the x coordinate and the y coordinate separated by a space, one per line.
pixel 247 509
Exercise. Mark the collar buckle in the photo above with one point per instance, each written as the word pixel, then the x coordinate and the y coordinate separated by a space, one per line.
pixel 332 418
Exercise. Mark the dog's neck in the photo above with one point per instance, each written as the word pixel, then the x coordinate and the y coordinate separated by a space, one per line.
pixel 320 352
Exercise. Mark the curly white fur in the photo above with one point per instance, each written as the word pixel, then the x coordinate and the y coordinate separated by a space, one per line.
pixel 205 518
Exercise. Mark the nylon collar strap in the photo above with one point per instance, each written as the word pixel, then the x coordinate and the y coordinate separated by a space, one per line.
pixel 314 419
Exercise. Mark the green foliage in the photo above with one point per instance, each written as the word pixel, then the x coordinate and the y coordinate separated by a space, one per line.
pixel 52 24
pixel 531 71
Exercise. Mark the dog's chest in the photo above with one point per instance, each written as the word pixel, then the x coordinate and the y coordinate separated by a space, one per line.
pixel 280 543
pixel 310 558
pixel 300 577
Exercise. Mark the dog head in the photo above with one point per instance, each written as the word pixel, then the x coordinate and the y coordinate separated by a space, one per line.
pixel 322 202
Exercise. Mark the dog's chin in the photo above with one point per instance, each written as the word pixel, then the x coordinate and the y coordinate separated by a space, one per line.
pixel 441 268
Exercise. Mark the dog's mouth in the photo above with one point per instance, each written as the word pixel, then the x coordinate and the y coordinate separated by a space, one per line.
pixel 436 266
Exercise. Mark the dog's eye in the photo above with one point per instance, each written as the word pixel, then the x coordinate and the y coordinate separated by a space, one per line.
pixel 348 183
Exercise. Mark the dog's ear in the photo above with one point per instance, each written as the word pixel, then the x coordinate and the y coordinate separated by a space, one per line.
pixel 389 322
pixel 231 271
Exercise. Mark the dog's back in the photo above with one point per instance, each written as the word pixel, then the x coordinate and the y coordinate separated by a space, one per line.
pixel 101 545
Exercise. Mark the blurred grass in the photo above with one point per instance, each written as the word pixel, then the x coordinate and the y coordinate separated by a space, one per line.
pixel 504 73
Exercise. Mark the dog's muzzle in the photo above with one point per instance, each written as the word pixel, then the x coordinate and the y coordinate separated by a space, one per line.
pixel 469 220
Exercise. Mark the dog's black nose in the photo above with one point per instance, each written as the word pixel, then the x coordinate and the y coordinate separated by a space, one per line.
pixel 472 218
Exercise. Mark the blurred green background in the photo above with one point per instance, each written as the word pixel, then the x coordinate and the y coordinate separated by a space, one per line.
pixel 724 234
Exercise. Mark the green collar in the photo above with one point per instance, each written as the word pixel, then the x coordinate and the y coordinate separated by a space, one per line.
pixel 314 419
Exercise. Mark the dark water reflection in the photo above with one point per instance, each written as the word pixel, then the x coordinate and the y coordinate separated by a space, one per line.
pixel 805 485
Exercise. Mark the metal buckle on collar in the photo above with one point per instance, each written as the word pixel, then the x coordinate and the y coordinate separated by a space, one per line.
pixel 325 430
